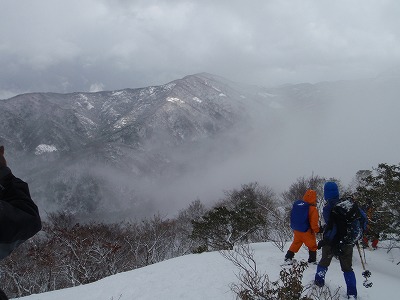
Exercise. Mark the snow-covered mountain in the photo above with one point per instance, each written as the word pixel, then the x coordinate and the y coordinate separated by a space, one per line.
pixel 189 108
pixel 139 151
pixel 73 146
pixel 209 276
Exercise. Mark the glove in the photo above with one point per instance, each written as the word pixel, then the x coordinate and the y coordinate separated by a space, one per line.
pixel 3 162
pixel 322 243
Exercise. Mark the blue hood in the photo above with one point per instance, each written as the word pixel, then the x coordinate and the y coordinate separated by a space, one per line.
pixel 331 192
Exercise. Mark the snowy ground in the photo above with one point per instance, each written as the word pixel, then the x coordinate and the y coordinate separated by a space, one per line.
pixel 209 275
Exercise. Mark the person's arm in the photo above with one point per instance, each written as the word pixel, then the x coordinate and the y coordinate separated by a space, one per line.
pixel 313 216
pixel 19 215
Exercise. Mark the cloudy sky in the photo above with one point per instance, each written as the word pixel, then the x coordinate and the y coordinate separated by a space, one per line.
pixel 91 45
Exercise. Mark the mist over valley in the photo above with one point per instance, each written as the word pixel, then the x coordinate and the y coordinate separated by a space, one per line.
pixel 135 152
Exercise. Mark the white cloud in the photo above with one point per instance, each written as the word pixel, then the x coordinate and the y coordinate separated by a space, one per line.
pixel 6 94
pixel 96 87
pixel 141 43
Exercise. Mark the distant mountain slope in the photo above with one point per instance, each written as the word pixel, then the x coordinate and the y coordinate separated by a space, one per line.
pixel 137 151
pixel 60 141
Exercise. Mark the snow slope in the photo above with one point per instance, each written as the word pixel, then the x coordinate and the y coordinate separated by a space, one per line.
pixel 209 275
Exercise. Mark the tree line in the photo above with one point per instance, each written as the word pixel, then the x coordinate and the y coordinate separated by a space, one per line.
pixel 68 252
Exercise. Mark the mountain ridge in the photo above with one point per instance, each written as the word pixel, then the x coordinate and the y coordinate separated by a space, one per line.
pixel 130 130
pixel 154 148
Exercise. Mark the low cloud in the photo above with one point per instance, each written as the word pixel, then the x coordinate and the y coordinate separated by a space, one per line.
pixel 96 87
pixel 125 44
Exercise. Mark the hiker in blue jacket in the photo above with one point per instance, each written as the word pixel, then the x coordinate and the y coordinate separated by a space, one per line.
pixel 333 246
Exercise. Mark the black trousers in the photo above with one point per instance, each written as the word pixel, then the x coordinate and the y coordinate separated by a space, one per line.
pixel 346 259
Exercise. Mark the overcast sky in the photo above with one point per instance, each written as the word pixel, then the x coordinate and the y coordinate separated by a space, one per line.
pixel 90 45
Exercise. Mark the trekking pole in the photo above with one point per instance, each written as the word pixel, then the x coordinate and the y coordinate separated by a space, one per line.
pixel 366 274
pixel 359 252
pixel 364 255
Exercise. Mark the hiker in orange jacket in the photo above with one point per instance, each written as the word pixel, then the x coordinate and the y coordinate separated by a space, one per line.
pixel 304 219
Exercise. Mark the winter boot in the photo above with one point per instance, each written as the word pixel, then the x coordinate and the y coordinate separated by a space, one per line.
pixel 320 276
pixel 350 279
pixel 312 256
pixel 289 256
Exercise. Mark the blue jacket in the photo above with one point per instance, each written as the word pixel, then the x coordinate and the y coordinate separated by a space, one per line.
pixel 329 233
pixel 331 195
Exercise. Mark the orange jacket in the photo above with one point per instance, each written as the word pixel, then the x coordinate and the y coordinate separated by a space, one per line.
pixel 311 197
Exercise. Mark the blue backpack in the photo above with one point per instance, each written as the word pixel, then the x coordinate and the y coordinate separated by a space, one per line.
pixel 299 216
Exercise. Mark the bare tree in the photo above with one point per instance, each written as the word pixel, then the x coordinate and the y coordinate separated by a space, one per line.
pixel 252 283
pixel 281 233
pixel 255 284
pixel 184 227
pixel 153 240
